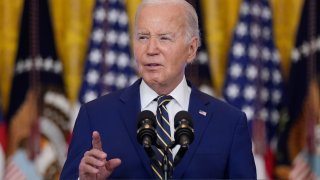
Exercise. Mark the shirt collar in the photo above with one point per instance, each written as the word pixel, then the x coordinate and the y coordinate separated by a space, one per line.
pixel 147 95
pixel 181 94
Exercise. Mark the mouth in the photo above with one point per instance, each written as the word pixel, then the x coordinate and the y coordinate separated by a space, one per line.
pixel 153 65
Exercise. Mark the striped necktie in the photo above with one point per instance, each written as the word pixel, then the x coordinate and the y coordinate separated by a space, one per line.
pixel 163 133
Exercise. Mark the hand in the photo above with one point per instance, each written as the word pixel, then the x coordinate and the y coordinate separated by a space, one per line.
pixel 94 164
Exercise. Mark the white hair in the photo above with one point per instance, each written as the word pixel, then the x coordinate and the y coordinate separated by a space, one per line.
pixel 190 15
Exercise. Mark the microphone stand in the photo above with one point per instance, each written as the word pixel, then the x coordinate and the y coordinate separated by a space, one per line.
pixel 166 168
pixel 165 164
pixel 179 155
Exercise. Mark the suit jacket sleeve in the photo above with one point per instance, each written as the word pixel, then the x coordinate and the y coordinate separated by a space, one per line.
pixel 80 143
pixel 241 162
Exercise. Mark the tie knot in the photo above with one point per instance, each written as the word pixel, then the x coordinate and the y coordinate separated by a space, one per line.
pixel 164 100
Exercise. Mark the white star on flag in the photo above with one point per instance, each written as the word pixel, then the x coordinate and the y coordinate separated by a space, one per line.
pixel 238 50
pixel 100 14
pixel 97 35
pixel 241 29
pixel 235 70
pixel 233 91
pixel 253 52
pixel 252 72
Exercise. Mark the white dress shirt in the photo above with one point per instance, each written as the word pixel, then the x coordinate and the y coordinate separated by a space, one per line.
pixel 180 101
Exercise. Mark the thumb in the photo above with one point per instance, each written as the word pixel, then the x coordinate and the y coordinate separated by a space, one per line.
pixel 113 163
pixel 96 141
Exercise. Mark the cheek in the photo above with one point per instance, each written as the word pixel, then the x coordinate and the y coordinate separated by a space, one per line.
pixel 137 58
pixel 177 64
pixel 139 67
pixel 137 51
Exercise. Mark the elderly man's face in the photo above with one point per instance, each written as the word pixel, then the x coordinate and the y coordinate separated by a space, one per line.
pixel 160 45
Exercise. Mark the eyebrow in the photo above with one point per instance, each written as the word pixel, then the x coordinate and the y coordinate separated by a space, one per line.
pixel 160 34
pixel 167 33
pixel 143 33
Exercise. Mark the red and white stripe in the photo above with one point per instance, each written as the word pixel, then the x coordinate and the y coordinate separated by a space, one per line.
pixel 13 172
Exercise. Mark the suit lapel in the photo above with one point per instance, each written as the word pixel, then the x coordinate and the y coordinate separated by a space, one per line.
pixel 129 113
pixel 198 108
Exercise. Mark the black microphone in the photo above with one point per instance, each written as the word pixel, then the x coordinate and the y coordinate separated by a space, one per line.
pixel 184 133
pixel 146 133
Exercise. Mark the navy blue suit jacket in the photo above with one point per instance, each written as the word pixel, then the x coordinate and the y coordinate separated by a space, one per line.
pixel 221 148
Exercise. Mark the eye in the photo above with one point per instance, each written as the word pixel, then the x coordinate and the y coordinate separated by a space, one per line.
pixel 142 37
pixel 165 38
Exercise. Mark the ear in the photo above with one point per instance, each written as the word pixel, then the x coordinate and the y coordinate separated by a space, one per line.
pixel 192 49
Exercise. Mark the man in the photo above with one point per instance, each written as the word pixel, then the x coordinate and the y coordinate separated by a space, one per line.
pixel 104 143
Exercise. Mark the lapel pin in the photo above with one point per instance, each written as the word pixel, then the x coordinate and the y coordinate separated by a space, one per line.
pixel 203 113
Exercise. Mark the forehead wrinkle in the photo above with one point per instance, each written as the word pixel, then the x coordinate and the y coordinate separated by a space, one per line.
pixel 159 33
pixel 173 22
pixel 176 15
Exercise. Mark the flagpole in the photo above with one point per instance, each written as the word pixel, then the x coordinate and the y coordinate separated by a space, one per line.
pixel 34 76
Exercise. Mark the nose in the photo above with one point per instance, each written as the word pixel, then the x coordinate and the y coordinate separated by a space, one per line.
pixel 152 47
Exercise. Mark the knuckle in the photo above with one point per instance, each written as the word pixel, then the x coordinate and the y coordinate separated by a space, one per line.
pixel 87 153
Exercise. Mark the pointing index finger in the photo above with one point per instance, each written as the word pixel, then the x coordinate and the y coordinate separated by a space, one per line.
pixel 96 141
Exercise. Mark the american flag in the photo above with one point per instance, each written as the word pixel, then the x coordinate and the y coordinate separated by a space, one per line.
pixel 109 65
pixel 254 81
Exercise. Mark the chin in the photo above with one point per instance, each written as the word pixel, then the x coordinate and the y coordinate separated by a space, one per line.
pixel 154 81
pixel 152 77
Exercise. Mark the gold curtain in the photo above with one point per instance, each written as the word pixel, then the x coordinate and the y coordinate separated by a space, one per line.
pixel 220 17
pixel 72 22
pixel 10 11
pixel 286 17
pixel 132 6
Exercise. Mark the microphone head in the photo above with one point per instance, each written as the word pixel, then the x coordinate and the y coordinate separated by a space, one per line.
pixel 184 133
pixel 146 134
pixel 180 116
pixel 144 115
